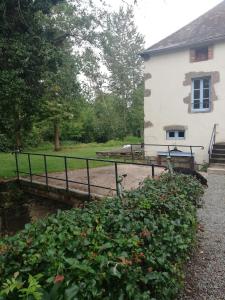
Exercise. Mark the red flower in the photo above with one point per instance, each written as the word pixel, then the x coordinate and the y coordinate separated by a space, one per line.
pixel 145 233
pixel 58 278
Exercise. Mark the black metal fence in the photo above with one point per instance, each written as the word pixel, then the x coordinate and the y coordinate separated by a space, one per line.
pixel 47 175
pixel 212 141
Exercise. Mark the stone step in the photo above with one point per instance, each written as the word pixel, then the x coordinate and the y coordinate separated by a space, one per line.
pixel 218 155
pixel 217 160
pixel 216 170
pixel 218 151
pixel 217 165
pixel 219 146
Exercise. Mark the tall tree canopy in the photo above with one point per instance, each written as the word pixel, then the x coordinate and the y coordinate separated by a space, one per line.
pixel 62 95
pixel 32 37
pixel 115 73
pixel 121 44
pixel 27 48
pixel 45 45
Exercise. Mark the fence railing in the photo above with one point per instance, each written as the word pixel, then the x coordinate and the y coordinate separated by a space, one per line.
pixel 170 148
pixel 47 175
pixel 212 141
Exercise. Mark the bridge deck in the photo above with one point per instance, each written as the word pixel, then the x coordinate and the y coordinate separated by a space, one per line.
pixel 101 176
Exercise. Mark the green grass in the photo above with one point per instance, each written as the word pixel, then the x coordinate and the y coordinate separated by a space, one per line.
pixel 8 165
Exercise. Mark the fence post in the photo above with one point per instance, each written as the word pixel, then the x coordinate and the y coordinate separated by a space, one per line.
pixel 192 163
pixel 143 150
pixel 117 186
pixel 66 173
pixel 88 178
pixel 132 154
pixel 17 166
pixel 46 170
pixel 30 170
pixel 153 171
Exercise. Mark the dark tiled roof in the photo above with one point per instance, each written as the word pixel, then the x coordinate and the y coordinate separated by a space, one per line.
pixel 209 27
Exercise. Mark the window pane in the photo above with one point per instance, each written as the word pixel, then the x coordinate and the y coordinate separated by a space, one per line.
pixel 201 94
pixel 171 134
pixel 201 54
pixel 206 93
pixel 197 94
pixel 206 83
pixel 196 84
pixel 181 134
pixel 196 104
pixel 206 103
pixel 175 134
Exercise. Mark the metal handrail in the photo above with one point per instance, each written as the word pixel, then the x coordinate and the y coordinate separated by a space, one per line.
pixel 212 141
pixel 169 147
pixel 89 159
pixel 46 174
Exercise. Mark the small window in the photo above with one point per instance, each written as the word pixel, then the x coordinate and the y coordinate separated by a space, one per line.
pixel 175 135
pixel 200 54
pixel 201 94
pixel 181 134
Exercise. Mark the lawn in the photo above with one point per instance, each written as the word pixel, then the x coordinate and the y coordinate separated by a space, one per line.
pixel 8 165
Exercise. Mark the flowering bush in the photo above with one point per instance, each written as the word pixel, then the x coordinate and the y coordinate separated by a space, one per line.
pixel 114 249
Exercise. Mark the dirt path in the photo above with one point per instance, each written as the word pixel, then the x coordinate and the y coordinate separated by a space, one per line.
pixel 104 177
pixel 206 270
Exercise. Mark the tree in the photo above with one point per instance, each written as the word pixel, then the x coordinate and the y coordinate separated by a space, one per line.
pixel 121 44
pixel 32 36
pixel 61 99
pixel 44 46
pixel 107 120
pixel 77 21
pixel 27 49
pixel 136 112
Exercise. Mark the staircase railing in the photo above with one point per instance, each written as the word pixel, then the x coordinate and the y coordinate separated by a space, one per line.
pixel 212 141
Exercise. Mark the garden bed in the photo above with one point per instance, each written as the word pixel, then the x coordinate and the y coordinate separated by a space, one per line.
pixel 133 248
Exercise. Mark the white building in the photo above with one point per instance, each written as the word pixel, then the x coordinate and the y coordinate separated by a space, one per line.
pixel 185 89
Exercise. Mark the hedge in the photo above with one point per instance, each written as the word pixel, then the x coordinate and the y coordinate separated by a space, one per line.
pixel 133 248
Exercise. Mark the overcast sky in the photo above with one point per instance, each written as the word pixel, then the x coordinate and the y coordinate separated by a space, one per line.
pixel 157 19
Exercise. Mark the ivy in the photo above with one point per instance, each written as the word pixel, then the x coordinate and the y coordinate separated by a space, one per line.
pixel 133 248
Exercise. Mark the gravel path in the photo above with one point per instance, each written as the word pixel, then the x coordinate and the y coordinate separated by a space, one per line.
pixel 205 274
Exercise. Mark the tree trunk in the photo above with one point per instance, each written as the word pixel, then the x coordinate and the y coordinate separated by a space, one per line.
pixel 56 137
pixel 18 139
pixel 125 120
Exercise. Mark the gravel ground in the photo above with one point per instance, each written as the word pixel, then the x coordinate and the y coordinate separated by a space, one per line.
pixel 205 272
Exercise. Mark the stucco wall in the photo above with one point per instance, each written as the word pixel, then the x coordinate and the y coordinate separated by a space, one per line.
pixel 166 100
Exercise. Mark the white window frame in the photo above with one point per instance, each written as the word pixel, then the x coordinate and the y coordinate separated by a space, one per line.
pixel 201 99
pixel 176 135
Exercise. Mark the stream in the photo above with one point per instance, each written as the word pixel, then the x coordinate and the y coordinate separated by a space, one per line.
pixel 14 216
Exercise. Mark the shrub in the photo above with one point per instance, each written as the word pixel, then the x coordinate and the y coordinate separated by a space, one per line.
pixel 6 144
pixel 114 249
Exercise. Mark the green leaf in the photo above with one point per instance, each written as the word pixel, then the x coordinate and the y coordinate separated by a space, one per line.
pixel 115 272
pixel 75 264
pixel 70 293
pixel 106 246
